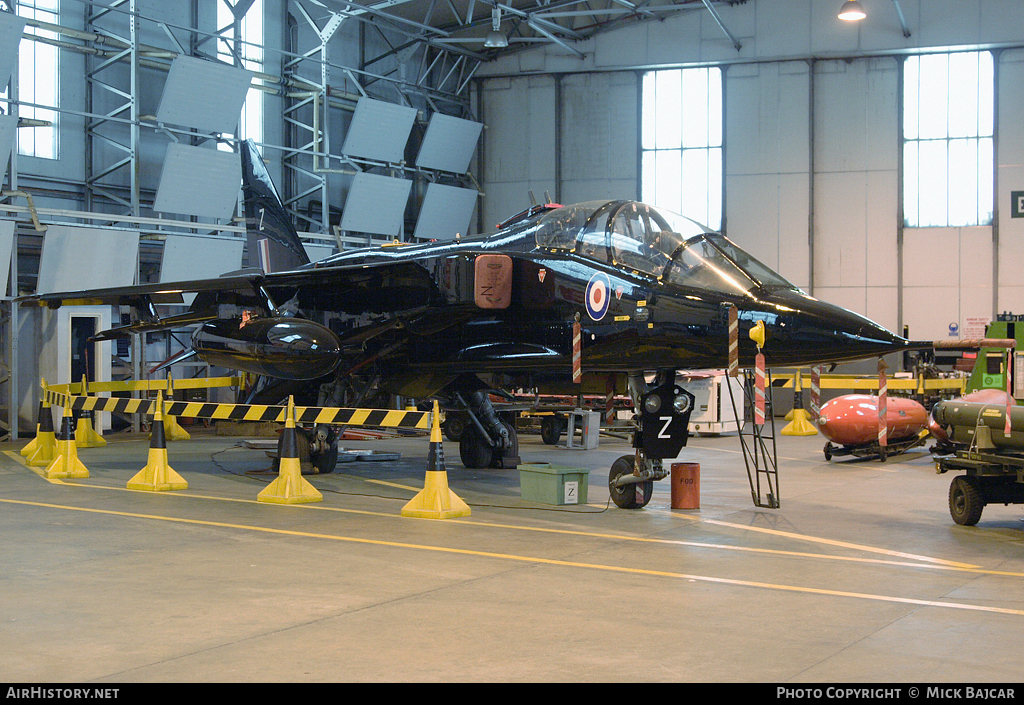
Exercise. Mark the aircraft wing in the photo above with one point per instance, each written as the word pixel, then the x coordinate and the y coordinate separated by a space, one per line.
pixel 401 287
pixel 163 293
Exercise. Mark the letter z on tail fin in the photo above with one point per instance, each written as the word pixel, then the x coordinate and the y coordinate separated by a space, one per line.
pixel 272 241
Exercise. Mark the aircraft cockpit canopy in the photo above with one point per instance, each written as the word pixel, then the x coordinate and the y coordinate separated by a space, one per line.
pixel 654 242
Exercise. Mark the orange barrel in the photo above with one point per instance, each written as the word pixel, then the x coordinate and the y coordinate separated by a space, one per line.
pixel 686 485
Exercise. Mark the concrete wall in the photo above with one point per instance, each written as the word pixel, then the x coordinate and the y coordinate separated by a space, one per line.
pixel 812 145
pixel 767 163
pixel 856 186
pixel 519 145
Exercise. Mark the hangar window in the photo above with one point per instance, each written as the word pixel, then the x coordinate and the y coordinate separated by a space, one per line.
pixel 948 125
pixel 249 50
pixel 681 142
pixel 38 84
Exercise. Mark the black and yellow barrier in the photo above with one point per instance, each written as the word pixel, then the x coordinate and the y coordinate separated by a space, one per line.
pixel 435 501
pixel 335 416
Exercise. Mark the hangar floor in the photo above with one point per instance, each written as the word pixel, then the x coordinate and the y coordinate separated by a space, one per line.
pixel 860 576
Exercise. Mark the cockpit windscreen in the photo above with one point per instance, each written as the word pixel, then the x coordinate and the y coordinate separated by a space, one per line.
pixel 654 242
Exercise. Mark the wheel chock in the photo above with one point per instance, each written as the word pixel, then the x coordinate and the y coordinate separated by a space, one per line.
pixel 66 464
pixel 289 487
pixel 801 425
pixel 157 476
pixel 436 500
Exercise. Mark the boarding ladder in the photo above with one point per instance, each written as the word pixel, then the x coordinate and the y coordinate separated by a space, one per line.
pixel 758 443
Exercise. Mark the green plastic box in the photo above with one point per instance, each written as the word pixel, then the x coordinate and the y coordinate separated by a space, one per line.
pixel 553 484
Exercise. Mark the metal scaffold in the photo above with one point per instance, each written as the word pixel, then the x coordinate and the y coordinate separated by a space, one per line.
pixel 316 76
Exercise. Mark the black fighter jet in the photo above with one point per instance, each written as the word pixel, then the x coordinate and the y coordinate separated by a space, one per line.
pixel 640 289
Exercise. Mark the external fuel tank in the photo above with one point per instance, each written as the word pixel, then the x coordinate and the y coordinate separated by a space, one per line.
pixel 852 419
pixel 286 348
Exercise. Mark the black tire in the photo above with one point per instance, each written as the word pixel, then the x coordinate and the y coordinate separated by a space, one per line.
pixel 965 502
pixel 828 451
pixel 321 463
pixel 551 430
pixel 473 449
pixel 513 449
pixel 453 427
pixel 325 461
pixel 631 496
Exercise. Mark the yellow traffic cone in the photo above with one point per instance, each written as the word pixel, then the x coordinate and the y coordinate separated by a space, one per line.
pixel 31 445
pixel 290 487
pixel 801 424
pixel 157 476
pixel 66 463
pixel 172 429
pixel 44 447
pixel 436 500
pixel 85 433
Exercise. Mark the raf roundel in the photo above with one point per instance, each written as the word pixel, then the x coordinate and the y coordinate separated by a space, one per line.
pixel 597 296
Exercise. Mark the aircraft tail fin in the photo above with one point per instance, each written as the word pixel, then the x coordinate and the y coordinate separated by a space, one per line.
pixel 273 244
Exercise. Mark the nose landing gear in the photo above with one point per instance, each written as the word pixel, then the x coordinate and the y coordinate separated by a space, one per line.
pixel 663 431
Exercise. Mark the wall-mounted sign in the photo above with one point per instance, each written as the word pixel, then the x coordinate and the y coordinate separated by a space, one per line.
pixel 975 327
pixel 1017 204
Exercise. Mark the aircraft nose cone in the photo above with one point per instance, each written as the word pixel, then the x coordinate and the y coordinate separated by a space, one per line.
pixel 811 331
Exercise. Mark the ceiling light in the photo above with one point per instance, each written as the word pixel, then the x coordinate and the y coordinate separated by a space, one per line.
pixel 495 39
pixel 851 10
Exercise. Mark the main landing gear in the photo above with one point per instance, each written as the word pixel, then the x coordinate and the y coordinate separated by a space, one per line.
pixel 486 441
pixel 317 449
pixel 663 430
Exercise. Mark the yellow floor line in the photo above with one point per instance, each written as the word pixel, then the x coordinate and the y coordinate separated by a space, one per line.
pixel 915 560
pixel 381 482
pixel 534 559
pixel 16 456
pixel 570 532
pixel 414 490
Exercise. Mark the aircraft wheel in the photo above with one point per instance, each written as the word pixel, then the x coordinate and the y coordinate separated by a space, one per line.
pixel 321 462
pixel 513 448
pixel 551 430
pixel 965 502
pixel 453 428
pixel 473 449
pixel 828 451
pixel 326 460
pixel 632 496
